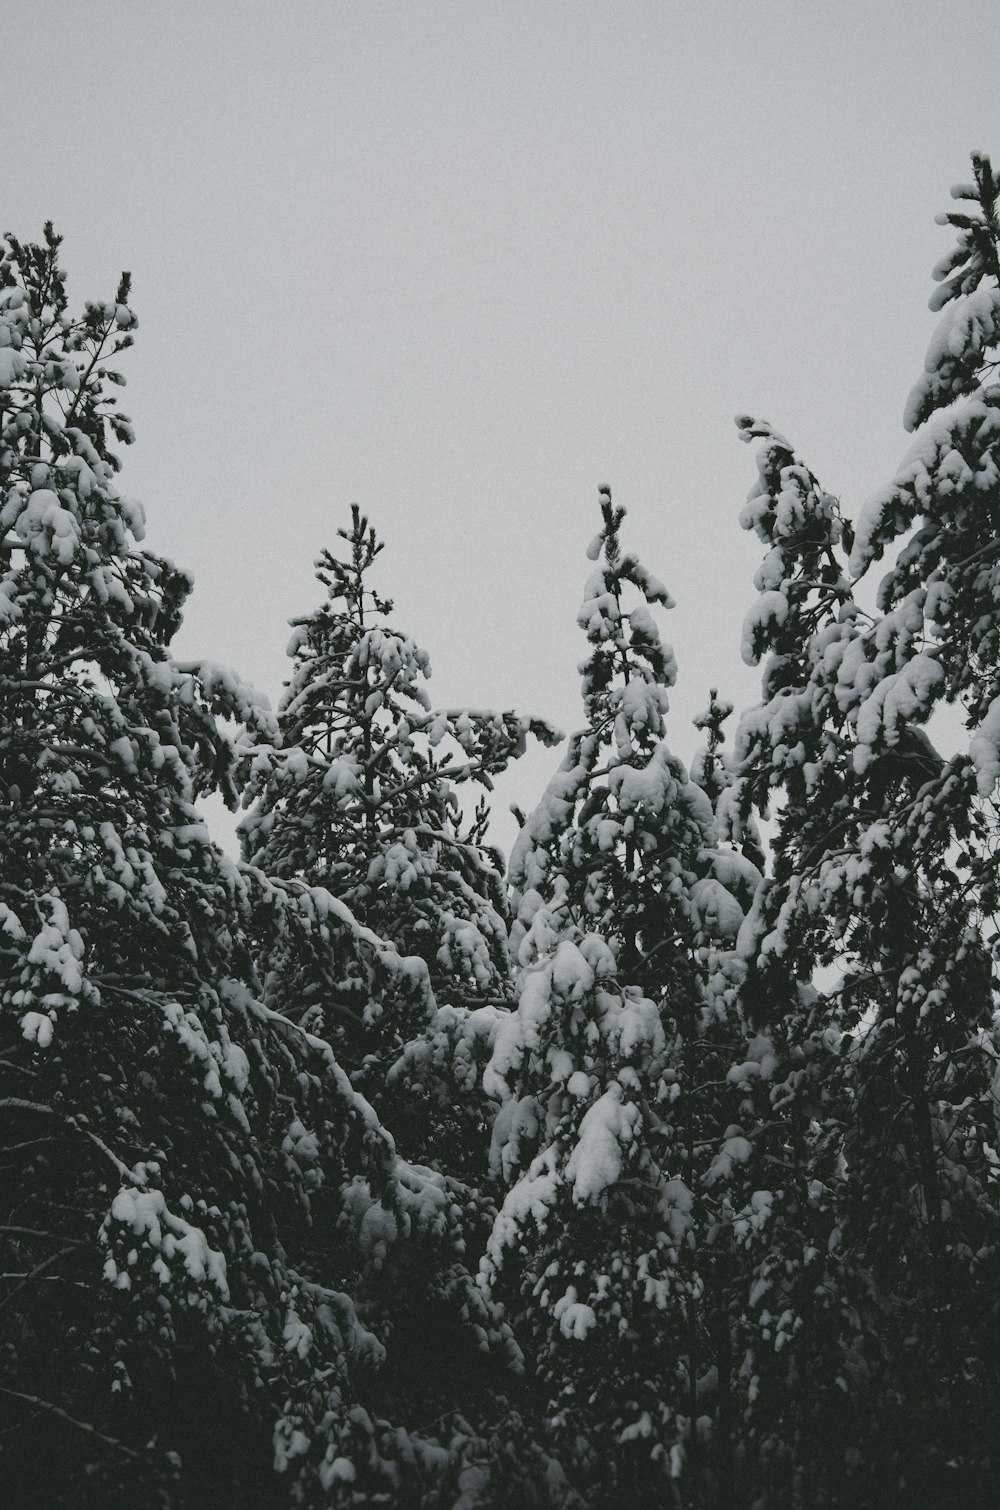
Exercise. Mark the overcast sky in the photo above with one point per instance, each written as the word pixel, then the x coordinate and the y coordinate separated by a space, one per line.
pixel 464 262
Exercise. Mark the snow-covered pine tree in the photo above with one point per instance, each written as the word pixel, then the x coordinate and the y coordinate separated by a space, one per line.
pixel 885 869
pixel 793 1291
pixel 138 1096
pixel 175 1152
pixel 357 809
pixel 363 799
pixel 114 912
pixel 932 1044
pixel 622 1005
pixel 609 840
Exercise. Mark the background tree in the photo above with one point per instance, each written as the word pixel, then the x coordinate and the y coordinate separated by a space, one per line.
pixel 358 808
pixel 934 1007
pixel 622 931
pixel 796 1285
pixel 363 798
pixel 196 1203
pixel 884 871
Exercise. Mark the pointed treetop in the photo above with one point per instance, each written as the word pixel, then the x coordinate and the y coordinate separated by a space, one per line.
pixel 53 372
pixel 626 644
pixel 969 279
pixel 708 769
pixel 346 579
pixel 790 511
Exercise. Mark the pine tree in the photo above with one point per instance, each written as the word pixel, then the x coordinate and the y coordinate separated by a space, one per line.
pixel 884 871
pixel 196 1203
pixel 357 808
pixel 933 1038
pixel 363 798
pixel 609 840
pixel 622 931
pixel 794 1292
pixel 115 913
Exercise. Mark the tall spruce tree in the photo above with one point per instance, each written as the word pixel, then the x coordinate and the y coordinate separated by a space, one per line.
pixel 357 807
pixel 934 1005
pixel 117 935
pixel 795 1285
pixel 196 1204
pixel 363 798
pixel 621 932
pixel 884 870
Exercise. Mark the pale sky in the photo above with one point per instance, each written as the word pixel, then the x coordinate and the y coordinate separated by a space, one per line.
pixel 464 262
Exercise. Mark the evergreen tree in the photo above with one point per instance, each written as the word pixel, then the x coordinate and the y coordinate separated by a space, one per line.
pixel 933 1038
pixel 117 937
pixel 357 807
pixel 623 995
pixel 884 870
pixel 795 1285
pixel 196 1203
pixel 363 799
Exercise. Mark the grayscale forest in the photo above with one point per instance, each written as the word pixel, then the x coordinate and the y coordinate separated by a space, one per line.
pixel 657 1167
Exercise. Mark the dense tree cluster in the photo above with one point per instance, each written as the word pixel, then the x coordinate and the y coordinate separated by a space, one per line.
pixel 660 1168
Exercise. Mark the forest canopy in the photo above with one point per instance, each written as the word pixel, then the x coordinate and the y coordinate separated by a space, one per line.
pixel 656 1167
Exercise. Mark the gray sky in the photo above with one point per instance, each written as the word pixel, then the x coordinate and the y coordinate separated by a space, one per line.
pixel 464 262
